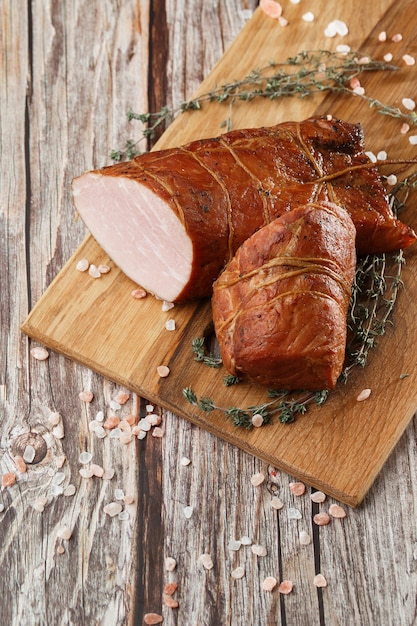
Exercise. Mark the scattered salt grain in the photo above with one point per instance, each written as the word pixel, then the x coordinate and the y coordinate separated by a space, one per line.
pixel 20 464
pixel 125 438
pixel 115 433
pixel 170 564
pixel 170 324
pixel 58 431
pixel 56 490
pixel 336 27
pixel 29 454
pixel 335 510
pixel 269 583
pixel 149 408
pixel 163 371
pixel 238 572
pixel 123 516
pixel 86 396
pixel 413 140
pixel 100 432
pixel 308 17
pixel 343 48
pixel 82 265
pixel 388 57
pixel 60 460
pixel 114 405
pixel 371 156
pixel 119 494
pixel 259 550
pixel 245 540
pixel 364 395
pixel 286 587
pixel 122 397
pixel 54 419
pixel 86 472
pixel 152 618
pixel 170 602
pixel 408 59
pixel 142 434
pixel 157 432
pixel 294 513
pixel 382 155
pixel 319 581
pixel 85 457
pixel 64 533
pixel 234 545
pixel 138 294
pixel 97 470
pixel 271 8
pixel 93 271
pixel 257 479
pixel 40 503
pixel 188 511
pixel 144 424
pixel 206 561
pixel 125 426
pixel 359 90
pixel 154 419
pixel 276 503
pixel 392 179
pixel 60 550
pixel 40 354
pixel 185 461
pixel 8 479
pixel 304 538
pixel 58 478
pixel 167 306
pixel 113 508
pixel 297 489
pixel 282 21
pixel 397 38
pixel 108 474
pixel 404 128
pixel 69 490
pixel 170 588
pixel 318 497
pixel 409 104
pixel 321 519
pixel 111 422
pixel 257 420
pixel 382 36
pixel 2 507
pixel 103 269
pixel 128 499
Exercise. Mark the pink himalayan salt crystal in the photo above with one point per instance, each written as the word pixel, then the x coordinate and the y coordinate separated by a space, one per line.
pixel 276 503
pixel 397 38
pixel 321 519
pixel 304 538
pixel 269 583
pixel 335 510
pixel 170 564
pixel 170 602
pixel 103 269
pixel 318 497
pixel 86 396
pixel 20 464
pixel 93 271
pixel 138 294
pixel 297 489
pixel 382 36
pixel 64 533
pixel 364 395
pixel 404 128
pixel 60 550
pixel 257 479
pixel 259 550
pixel 154 419
pixel 238 572
pixel 271 8
pixel 408 59
pixel 152 618
pixel 409 104
pixel 163 371
pixel 8 479
pixel 319 580
pixel 388 57
pixel 113 508
pixel 206 561
pixel 39 353
pixel 257 420
pixel 83 265
pixel 111 422
pixel 286 587
pixel 157 432
pixel 170 588
pixel 122 397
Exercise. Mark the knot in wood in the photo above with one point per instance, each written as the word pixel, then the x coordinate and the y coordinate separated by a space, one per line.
pixel 36 441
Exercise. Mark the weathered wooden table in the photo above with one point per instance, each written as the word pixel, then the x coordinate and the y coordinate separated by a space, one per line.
pixel 69 72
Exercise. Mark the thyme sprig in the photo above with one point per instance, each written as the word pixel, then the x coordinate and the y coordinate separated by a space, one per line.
pixel 307 73
pixel 374 295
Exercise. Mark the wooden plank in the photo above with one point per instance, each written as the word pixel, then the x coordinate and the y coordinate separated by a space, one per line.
pixel 354 452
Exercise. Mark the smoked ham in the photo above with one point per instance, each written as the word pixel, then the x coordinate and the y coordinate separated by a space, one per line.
pixel 171 219
pixel 280 305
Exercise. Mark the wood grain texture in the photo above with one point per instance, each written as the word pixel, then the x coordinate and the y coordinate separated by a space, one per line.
pixel 70 73
pixel 62 319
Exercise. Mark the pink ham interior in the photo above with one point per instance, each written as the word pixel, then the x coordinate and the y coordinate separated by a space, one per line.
pixel 139 232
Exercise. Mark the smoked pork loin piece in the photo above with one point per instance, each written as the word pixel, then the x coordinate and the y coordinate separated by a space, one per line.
pixel 280 305
pixel 171 219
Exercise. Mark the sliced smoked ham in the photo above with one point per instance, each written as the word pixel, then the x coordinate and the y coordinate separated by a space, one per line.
pixel 280 305
pixel 171 219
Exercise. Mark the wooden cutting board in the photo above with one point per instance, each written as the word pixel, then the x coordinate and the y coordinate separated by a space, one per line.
pixel 341 446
